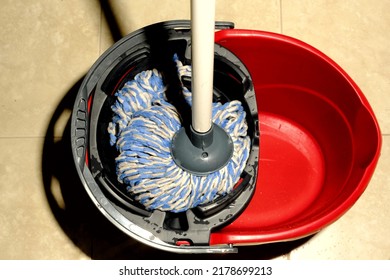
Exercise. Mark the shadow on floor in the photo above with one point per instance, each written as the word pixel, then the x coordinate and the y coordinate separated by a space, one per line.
pixel 87 228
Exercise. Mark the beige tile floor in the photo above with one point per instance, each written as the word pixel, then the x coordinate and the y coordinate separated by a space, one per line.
pixel 47 46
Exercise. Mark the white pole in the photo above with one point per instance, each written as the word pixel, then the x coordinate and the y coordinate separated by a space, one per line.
pixel 202 24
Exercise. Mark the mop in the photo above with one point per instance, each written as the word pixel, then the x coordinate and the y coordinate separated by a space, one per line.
pixel 164 165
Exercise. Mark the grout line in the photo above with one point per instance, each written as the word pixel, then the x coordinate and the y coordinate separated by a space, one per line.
pixel 21 137
pixel 29 137
pixel 100 32
pixel 281 15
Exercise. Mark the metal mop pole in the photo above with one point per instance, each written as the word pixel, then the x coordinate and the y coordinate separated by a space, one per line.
pixel 207 147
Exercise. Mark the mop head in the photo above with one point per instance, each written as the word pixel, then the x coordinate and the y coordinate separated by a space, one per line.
pixel 142 129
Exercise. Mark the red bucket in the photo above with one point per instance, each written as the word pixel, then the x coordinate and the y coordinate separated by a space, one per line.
pixel 319 139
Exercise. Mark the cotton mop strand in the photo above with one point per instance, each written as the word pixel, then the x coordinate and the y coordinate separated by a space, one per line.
pixel 144 124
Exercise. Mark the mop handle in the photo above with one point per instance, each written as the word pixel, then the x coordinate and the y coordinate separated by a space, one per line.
pixel 202 24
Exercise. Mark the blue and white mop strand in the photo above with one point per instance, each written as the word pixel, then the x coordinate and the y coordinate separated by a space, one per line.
pixel 142 129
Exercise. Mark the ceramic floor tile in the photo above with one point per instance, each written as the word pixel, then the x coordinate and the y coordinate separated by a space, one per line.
pixel 250 14
pixel 355 35
pixel 45 47
pixel 33 214
pixel 109 30
pixel 132 15
pixel 362 233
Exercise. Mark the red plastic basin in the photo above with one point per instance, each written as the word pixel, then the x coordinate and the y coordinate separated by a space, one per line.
pixel 319 139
